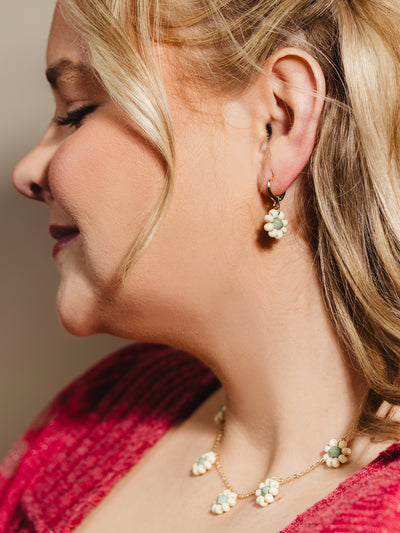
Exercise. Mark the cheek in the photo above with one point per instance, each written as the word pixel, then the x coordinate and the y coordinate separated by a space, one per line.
pixel 107 179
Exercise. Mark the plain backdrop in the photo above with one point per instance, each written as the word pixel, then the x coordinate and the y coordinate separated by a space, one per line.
pixel 37 356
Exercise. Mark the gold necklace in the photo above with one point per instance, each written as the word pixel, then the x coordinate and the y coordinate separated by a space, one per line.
pixel 335 454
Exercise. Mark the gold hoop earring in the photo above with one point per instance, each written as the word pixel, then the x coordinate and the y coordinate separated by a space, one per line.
pixel 276 223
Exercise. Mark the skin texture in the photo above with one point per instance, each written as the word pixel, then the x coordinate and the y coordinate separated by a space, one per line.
pixel 211 282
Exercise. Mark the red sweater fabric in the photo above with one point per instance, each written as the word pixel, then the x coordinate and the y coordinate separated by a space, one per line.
pixel 99 427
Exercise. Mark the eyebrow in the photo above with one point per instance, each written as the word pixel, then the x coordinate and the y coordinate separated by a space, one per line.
pixel 65 66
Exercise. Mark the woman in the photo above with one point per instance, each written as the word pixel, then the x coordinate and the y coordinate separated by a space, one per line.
pixel 223 178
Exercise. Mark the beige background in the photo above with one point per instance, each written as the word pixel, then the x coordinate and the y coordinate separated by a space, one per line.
pixel 37 356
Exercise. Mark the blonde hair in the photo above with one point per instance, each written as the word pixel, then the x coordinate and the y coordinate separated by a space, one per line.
pixel 351 192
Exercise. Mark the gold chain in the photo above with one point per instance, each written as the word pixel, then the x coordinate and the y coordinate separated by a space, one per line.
pixel 221 473
pixel 281 481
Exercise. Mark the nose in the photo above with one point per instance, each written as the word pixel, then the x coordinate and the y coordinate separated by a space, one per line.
pixel 30 176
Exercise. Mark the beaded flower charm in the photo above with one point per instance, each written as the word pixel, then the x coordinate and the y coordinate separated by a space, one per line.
pixel 267 492
pixel 336 453
pixel 219 418
pixel 275 224
pixel 224 502
pixel 204 463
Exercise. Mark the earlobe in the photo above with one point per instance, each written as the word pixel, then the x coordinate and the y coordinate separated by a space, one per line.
pixel 296 90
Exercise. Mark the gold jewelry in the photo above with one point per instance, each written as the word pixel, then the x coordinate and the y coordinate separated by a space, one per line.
pixel 276 223
pixel 336 454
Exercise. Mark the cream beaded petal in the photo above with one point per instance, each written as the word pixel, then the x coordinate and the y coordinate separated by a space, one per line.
pixel 261 501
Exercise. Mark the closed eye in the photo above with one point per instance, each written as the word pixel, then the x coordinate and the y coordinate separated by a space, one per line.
pixel 74 118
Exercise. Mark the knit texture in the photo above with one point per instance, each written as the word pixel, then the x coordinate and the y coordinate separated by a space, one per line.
pixel 99 427
pixel 95 432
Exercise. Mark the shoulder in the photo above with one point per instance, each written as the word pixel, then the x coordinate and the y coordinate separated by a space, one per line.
pixel 373 493
pixel 96 429
pixel 130 371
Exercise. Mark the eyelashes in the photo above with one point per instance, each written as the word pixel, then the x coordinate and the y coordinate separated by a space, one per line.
pixel 75 118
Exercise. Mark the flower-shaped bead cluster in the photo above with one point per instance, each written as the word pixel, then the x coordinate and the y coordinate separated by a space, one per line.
pixel 224 502
pixel 336 453
pixel 267 492
pixel 219 418
pixel 204 463
pixel 275 224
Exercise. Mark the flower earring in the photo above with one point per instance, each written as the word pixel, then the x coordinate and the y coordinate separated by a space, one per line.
pixel 275 220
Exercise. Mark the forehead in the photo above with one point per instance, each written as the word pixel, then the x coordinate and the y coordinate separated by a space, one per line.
pixel 64 42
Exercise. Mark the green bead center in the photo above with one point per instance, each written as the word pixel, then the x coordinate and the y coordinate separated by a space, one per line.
pixel 265 491
pixel 222 498
pixel 334 452
pixel 277 223
pixel 202 460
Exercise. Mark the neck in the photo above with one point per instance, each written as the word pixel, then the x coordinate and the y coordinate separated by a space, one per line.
pixel 288 385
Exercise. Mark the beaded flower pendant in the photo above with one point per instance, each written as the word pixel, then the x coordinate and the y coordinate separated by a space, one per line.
pixel 336 453
pixel 208 459
pixel 275 224
pixel 204 463
pixel 266 492
pixel 219 418
pixel 224 502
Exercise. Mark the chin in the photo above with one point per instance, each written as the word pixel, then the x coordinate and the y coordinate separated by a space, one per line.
pixel 77 310
pixel 76 326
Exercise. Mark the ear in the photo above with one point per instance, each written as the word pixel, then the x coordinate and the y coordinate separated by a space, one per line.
pixel 295 97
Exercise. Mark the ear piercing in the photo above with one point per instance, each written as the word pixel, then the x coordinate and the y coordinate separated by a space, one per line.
pixel 276 224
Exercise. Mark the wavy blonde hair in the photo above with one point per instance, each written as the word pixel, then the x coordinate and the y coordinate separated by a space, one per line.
pixel 351 193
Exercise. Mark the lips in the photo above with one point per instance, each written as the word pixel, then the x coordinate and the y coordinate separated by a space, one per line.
pixel 58 232
pixel 64 235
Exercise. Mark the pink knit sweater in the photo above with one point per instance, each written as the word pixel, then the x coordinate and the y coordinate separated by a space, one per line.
pixel 98 428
